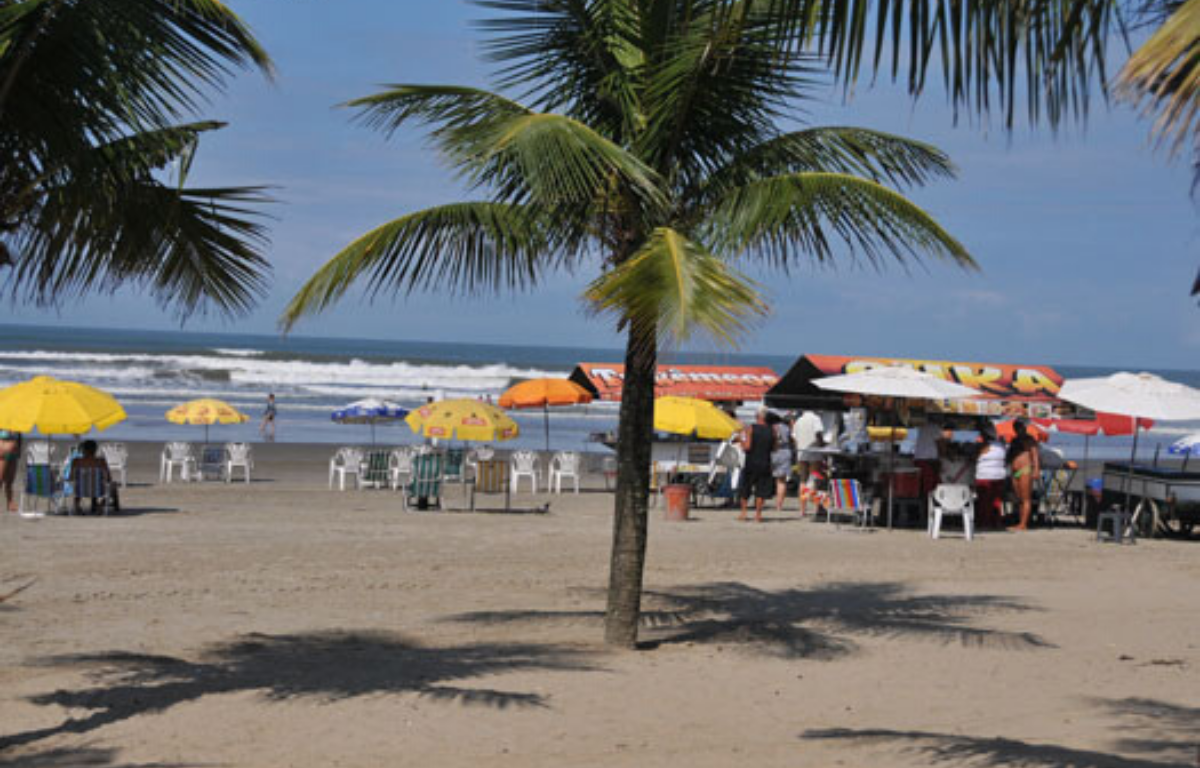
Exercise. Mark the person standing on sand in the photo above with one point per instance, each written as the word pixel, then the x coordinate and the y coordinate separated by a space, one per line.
pixel 267 428
pixel 10 457
pixel 757 441
pixel 781 458
pixel 1025 463
pixel 989 477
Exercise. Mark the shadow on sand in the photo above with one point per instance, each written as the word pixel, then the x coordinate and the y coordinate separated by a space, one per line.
pixel 327 666
pixel 1166 737
pixel 811 623
pixel 85 757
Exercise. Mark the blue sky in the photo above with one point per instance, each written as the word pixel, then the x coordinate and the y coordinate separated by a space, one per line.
pixel 1087 242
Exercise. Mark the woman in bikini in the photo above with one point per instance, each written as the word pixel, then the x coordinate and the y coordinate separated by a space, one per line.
pixel 10 456
pixel 1024 463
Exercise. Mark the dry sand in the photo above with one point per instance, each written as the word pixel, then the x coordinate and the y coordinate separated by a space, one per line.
pixel 281 624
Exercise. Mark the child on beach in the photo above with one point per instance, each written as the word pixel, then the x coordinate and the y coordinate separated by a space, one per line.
pixel 267 428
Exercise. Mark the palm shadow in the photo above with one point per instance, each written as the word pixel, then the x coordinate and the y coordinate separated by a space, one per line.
pixel 85 757
pixel 328 666
pixel 1167 739
pixel 820 623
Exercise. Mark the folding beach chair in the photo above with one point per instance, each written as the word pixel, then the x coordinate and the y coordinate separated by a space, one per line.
pixel 41 482
pixel 847 496
pixel 213 461
pixel 454 469
pixel 426 483
pixel 376 470
pixel 492 476
pixel 94 484
pixel 1055 498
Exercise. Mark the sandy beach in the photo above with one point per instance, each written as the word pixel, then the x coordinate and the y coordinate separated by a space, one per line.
pixel 281 624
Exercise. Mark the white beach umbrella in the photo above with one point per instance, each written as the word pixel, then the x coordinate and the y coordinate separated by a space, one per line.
pixel 896 381
pixel 1136 395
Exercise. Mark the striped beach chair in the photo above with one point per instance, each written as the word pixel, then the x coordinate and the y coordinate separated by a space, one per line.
pixel 94 483
pixel 426 483
pixel 492 476
pixel 847 496
pixel 41 482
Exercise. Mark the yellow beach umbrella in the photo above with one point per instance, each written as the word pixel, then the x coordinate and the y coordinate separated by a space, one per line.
pixel 691 416
pixel 56 407
pixel 206 411
pixel 463 419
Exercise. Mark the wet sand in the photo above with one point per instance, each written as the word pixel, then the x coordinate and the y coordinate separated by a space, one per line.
pixel 282 624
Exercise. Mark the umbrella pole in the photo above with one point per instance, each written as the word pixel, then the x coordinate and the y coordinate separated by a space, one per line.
pixel 546 423
pixel 372 433
pixel 1132 459
pixel 206 434
pixel 891 478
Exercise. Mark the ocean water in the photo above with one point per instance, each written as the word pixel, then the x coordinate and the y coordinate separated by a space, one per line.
pixel 152 371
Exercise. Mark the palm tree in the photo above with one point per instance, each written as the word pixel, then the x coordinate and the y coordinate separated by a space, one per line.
pixel 645 144
pixel 95 152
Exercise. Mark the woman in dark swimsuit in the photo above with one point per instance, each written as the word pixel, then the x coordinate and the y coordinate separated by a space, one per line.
pixel 10 457
pixel 1024 463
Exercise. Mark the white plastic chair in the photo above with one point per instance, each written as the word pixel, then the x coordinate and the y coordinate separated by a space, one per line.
pixel 400 466
pixel 524 464
pixel 564 464
pixel 40 452
pixel 347 461
pixel 117 456
pixel 952 500
pixel 177 455
pixel 238 455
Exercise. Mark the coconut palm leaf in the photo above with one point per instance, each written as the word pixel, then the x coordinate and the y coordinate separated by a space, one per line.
pixel 523 155
pixel 875 155
pixel 90 96
pixel 791 218
pixel 674 284
pixel 1163 75
pixel 462 248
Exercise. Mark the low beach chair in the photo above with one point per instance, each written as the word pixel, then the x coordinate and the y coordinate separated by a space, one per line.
pixel 213 459
pixel 949 500
pixel 117 456
pixel 41 482
pixel 177 455
pixel 524 464
pixel 564 464
pixel 376 469
pixel 399 467
pixel 347 461
pixel 454 468
pixel 492 476
pixel 238 455
pixel 426 483
pixel 847 496
pixel 94 483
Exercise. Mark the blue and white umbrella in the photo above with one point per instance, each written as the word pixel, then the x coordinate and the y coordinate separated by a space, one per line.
pixel 1186 446
pixel 370 411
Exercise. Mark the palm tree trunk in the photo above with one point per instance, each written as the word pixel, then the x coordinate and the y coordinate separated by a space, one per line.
pixel 633 484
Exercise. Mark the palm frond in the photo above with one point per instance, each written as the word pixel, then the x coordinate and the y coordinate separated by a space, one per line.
pixel 989 56
pixel 674 284
pixel 875 155
pixel 461 248
pixel 521 155
pixel 1163 76
pixel 192 249
pixel 793 217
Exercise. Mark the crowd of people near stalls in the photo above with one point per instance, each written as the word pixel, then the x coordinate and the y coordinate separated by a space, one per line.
pixel 778 449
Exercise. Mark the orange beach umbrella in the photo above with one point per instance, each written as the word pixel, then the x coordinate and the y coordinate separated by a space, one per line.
pixel 543 393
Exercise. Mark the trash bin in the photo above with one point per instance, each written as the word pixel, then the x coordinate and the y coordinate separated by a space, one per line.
pixel 677 496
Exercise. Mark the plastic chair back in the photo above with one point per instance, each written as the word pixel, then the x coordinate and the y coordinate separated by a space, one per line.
pixel 376 467
pixel 116 454
pixel 952 498
pixel 568 462
pixel 524 461
pixel 40 452
pixel 239 453
pixel 348 457
pixel 179 451
pixel 401 460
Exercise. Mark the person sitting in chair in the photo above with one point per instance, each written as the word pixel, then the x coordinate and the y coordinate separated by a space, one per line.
pixel 90 459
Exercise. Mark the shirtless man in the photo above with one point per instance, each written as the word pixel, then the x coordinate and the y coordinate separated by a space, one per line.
pixel 10 457
pixel 1024 463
